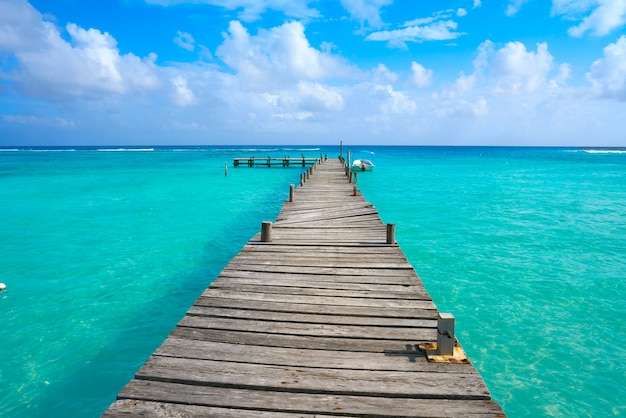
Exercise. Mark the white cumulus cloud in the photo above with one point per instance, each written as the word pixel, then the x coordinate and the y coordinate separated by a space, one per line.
pixel 182 95
pixel 185 40
pixel 520 71
pixel 598 17
pixel 394 102
pixel 272 58
pixel 608 75
pixel 383 75
pixel 314 96
pixel 420 76
pixel 367 12
pixel 418 31
pixel 87 66
pixel 475 109
pixel 514 7
pixel 506 72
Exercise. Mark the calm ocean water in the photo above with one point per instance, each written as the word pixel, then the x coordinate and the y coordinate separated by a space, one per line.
pixel 103 251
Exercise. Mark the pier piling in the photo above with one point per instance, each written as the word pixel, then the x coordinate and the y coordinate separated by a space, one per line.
pixel 391 233
pixel 266 232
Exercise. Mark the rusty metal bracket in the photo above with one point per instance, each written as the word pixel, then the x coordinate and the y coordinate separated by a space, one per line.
pixel 433 356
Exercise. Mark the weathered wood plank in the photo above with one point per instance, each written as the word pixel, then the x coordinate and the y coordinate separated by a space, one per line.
pixel 385 252
pixel 297 317
pixel 394 278
pixel 387 383
pixel 408 359
pixel 311 329
pixel 336 310
pixel 124 408
pixel 260 258
pixel 308 291
pixel 306 403
pixel 322 300
pixel 314 283
pixel 298 341
pixel 321 270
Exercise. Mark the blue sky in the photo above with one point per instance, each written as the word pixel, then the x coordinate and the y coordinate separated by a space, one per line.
pixel 405 72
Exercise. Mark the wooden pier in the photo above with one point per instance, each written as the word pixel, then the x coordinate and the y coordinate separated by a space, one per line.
pixel 271 162
pixel 317 316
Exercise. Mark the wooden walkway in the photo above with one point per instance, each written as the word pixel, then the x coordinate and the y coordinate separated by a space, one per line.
pixel 271 162
pixel 322 321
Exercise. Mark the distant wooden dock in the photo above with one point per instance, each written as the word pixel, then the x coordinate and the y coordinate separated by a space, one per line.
pixel 318 315
pixel 274 161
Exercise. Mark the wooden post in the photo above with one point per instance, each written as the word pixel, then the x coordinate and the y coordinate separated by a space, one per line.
pixel 348 162
pixel 225 169
pixel 302 179
pixel 291 188
pixel 445 334
pixel 341 149
pixel 355 191
pixel 391 233
pixel 266 232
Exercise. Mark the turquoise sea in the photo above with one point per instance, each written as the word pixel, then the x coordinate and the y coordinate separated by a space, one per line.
pixel 103 250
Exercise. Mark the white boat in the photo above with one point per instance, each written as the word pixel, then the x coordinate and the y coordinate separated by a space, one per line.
pixel 362 165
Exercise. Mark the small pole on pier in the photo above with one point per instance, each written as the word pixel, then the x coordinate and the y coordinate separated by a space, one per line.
pixel 291 188
pixel 391 233
pixel 302 179
pixel 348 162
pixel 341 149
pixel 225 169
pixel 445 334
pixel 266 232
